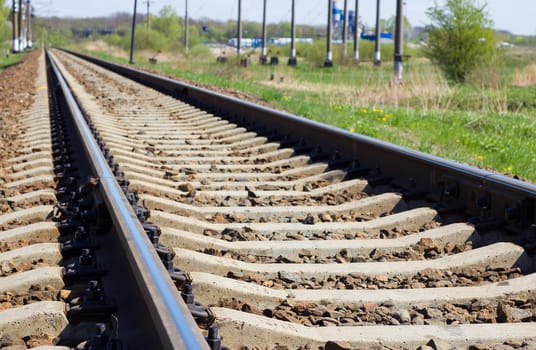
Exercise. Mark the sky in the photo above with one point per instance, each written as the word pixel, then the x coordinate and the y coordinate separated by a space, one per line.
pixel 516 16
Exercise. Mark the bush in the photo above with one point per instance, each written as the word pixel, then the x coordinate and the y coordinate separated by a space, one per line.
pixel 149 39
pixel 123 41
pixel 200 51
pixel 460 38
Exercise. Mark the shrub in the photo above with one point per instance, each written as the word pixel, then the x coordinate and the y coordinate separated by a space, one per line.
pixel 460 38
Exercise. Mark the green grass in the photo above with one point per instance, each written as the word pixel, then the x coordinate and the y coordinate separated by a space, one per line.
pixel 492 128
pixel 10 60
pixel 504 143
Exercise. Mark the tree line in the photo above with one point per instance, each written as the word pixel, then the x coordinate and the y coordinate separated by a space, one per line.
pixel 459 38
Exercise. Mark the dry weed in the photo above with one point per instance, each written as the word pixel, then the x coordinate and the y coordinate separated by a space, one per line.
pixel 423 87
pixel 526 77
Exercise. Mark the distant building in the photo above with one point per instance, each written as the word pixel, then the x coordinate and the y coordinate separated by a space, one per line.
pixel 257 42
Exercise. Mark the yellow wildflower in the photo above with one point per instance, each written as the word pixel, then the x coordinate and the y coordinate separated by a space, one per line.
pixel 337 108
pixel 508 169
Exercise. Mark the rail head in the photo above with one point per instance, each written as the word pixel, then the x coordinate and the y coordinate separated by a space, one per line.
pixel 177 328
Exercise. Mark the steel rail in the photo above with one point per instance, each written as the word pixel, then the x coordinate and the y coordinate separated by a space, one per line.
pixel 502 195
pixel 177 329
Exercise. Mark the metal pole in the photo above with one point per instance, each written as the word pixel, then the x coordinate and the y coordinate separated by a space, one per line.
pixel 28 25
pixel 23 24
pixel 148 12
pixel 186 24
pixel 15 47
pixel 345 30
pixel 292 61
pixel 19 25
pixel 133 33
pixel 356 31
pixel 239 28
pixel 377 53
pixel 329 56
pixel 399 41
pixel 263 58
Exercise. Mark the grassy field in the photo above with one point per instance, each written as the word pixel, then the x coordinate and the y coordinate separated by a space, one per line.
pixel 489 122
pixel 6 61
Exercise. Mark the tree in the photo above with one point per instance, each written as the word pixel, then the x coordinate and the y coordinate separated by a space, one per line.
pixel 460 37
pixel 5 25
pixel 167 23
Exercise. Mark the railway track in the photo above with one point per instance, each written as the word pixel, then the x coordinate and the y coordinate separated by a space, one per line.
pixel 277 232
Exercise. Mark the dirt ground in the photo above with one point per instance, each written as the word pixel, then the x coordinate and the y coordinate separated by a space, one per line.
pixel 16 94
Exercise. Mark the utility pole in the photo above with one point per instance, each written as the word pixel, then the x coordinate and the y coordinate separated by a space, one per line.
pixel 239 28
pixel 186 24
pixel 28 25
pixel 148 2
pixel 263 58
pixel 293 61
pixel 399 41
pixel 356 32
pixel 377 53
pixel 19 25
pixel 15 47
pixel 345 30
pixel 131 61
pixel 329 55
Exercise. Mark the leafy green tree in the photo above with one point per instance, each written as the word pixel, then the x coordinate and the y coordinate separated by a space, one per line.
pixel 150 39
pixel 251 29
pixel 281 29
pixel 5 24
pixel 460 37
pixel 167 23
